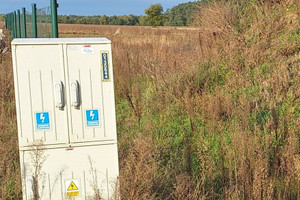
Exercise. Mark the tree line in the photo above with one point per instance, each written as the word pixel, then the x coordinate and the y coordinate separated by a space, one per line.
pixel 180 15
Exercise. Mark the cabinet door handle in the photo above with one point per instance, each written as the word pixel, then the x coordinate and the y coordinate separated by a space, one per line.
pixel 59 95
pixel 75 96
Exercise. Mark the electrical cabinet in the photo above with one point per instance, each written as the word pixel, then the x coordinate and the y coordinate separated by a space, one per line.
pixel 66 118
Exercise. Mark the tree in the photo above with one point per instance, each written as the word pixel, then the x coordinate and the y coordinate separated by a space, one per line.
pixel 103 20
pixel 182 14
pixel 155 16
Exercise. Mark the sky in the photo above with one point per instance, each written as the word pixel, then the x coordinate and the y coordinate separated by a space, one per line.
pixel 90 7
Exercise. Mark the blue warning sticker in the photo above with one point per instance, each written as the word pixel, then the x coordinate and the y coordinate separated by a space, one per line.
pixel 92 118
pixel 42 120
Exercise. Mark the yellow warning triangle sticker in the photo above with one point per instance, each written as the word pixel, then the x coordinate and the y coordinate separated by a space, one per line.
pixel 72 187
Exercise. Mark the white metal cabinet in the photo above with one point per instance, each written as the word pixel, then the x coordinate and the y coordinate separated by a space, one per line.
pixel 94 167
pixel 94 95
pixel 65 106
pixel 37 68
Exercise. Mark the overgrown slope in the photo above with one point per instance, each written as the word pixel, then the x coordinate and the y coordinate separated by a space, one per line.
pixel 227 127
pixel 206 113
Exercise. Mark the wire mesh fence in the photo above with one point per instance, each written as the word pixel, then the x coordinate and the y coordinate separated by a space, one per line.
pixel 29 24
pixel 40 22
pixel 43 16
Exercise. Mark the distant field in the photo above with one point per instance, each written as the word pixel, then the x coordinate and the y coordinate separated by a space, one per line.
pixel 144 49
pixel 68 30
pixel 88 28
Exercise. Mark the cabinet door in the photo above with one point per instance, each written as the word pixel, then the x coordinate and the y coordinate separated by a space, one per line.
pixel 91 118
pixel 40 78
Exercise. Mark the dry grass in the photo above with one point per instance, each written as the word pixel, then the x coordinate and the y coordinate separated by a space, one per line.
pixel 203 113
pixel 9 156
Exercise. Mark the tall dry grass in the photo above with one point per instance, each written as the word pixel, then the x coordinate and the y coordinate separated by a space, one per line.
pixel 203 113
pixel 9 156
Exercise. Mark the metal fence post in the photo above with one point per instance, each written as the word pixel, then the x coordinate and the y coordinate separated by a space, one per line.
pixel 5 18
pixel 15 25
pixel 34 24
pixel 8 18
pixel 6 21
pixel 11 18
pixel 24 33
pixel 10 23
pixel 54 6
pixel 18 24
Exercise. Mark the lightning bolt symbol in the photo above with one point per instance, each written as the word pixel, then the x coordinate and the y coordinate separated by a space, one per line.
pixel 92 114
pixel 42 117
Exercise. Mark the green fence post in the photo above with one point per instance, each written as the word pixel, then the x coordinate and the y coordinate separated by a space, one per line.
pixel 34 24
pixel 10 22
pixel 15 25
pixel 24 33
pixel 18 24
pixel 54 6
pixel 6 20
pixel 7 25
